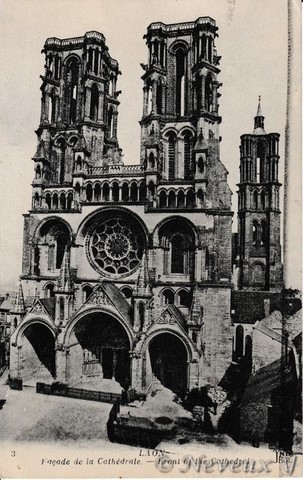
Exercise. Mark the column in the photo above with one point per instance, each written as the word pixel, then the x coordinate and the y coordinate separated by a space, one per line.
pixel 115 122
pixel 110 193
pixel 153 89
pixel 87 102
pixel 203 92
pixel 145 101
pixel 120 193
pixel 100 107
pixel 114 362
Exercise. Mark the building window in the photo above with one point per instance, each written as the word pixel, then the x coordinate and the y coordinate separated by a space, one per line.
pixel 177 254
pixel 184 298
pixel 87 291
pixel 159 96
pixel 72 78
pixel 141 315
pixel 180 81
pixel 209 93
pixel 94 103
pixel 168 297
pixel 61 242
pixel 49 290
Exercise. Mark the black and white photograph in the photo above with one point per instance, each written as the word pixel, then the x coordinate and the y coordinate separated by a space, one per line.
pixel 150 241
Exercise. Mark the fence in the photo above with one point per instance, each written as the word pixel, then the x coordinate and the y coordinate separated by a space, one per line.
pixel 62 390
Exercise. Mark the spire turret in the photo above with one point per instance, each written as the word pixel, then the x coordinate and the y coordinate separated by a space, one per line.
pixel 19 305
pixel 259 121
pixel 64 283
pixel 143 282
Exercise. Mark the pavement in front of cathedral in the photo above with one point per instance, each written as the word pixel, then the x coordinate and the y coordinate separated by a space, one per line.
pixel 30 417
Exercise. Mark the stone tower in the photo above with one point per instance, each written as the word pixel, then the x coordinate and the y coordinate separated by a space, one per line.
pixel 78 125
pixel 259 213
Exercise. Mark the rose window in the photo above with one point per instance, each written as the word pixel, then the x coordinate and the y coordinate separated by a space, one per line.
pixel 116 245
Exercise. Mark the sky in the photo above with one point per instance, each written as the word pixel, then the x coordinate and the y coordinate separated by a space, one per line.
pixel 252 41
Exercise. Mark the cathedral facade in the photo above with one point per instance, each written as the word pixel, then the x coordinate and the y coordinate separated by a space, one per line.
pixel 130 266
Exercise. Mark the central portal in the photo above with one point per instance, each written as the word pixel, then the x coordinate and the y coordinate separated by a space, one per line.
pixel 104 348
pixel 168 358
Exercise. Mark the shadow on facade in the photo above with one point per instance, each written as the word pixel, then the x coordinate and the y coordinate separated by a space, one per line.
pixel 104 348
pixel 38 351
pixel 168 358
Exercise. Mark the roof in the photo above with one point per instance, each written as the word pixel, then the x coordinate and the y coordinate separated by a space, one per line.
pixel 118 300
pixel 248 306
pixel 49 305
pixel 173 310
pixel 269 378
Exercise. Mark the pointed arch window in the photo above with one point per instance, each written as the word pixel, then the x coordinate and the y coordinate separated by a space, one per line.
pixel 171 199
pixel 48 200
pixel 162 199
pixel 61 309
pixel 168 297
pixel 184 298
pixel 52 107
pixel 87 291
pixel 141 309
pixel 97 192
pixel 105 192
pixel 134 192
pixel 159 96
pixel 115 189
pixel 125 192
pixel 61 242
pixel 180 82
pixel 62 201
pixel 260 162
pixel 151 159
pixel 110 122
pixel 209 93
pixel 204 50
pixel 181 199
pixel 72 78
pixel 69 201
pixel 94 103
pixel 49 290
pixel 89 193
pixel 178 251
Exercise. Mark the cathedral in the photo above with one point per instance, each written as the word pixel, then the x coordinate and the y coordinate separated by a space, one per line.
pixel 130 269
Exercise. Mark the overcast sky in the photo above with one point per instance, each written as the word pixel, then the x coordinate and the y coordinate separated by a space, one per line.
pixel 252 41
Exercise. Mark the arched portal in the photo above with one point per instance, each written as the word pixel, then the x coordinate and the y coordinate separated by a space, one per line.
pixel 168 357
pixel 100 349
pixel 37 359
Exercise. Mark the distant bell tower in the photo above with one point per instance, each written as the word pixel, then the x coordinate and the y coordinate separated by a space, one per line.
pixel 259 213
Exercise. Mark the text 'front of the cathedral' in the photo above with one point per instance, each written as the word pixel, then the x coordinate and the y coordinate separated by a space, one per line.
pixel 127 269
